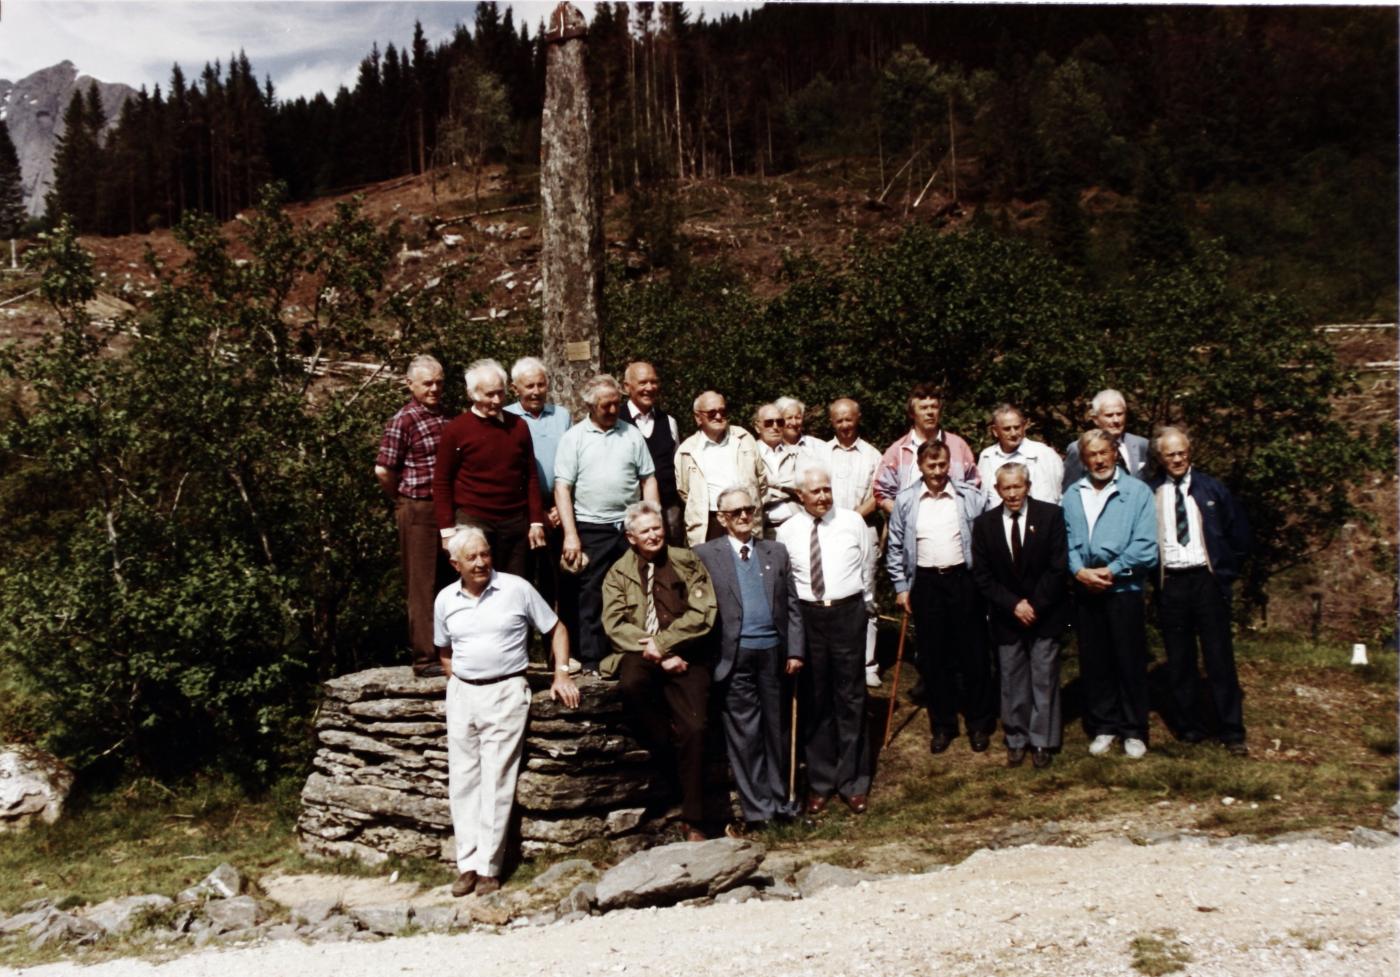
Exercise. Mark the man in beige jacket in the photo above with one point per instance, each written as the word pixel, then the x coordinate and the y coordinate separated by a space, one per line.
pixel 717 456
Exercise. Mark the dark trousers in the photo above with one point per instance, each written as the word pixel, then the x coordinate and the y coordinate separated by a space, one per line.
pixel 837 749
pixel 508 538
pixel 673 521
pixel 952 651
pixel 1191 606
pixel 425 572
pixel 667 709
pixel 581 598
pixel 713 530
pixel 1113 663
pixel 753 732
pixel 544 566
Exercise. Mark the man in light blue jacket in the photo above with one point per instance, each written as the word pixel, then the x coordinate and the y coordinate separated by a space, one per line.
pixel 929 560
pixel 1111 527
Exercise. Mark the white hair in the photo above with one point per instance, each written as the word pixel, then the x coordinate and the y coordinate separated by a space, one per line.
pixel 1007 408
pixel 1167 432
pixel 463 537
pixel 422 362
pixel 787 404
pixel 1014 468
pixel 695 406
pixel 808 467
pixel 636 510
pixel 596 385
pixel 478 372
pixel 734 490
pixel 526 365
pixel 1105 397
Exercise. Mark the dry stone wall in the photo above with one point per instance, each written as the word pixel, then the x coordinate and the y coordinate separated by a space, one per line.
pixel 379 786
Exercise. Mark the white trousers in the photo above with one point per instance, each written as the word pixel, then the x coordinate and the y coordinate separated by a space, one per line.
pixel 485 736
pixel 871 562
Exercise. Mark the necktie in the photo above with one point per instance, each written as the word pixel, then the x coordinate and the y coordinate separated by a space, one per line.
pixel 648 575
pixel 744 553
pixel 1016 540
pixel 1183 525
pixel 818 580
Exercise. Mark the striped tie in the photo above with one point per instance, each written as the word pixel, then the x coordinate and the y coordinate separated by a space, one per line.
pixel 818 579
pixel 648 576
pixel 1183 525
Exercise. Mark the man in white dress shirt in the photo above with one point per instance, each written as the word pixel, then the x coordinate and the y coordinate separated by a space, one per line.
pixel 853 464
pixel 481 626
pixel 829 552
pixel 1046 470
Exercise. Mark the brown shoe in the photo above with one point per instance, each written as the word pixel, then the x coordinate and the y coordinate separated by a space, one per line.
pixel 857 803
pixel 816 804
pixel 465 883
pixel 694 833
pixel 486 885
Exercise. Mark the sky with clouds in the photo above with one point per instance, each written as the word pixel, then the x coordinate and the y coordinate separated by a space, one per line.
pixel 305 45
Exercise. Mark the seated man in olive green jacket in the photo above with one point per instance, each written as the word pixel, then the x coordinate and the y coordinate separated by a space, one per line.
pixel 657 604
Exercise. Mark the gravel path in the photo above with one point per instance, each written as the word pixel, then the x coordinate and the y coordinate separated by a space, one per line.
pixel 1302 908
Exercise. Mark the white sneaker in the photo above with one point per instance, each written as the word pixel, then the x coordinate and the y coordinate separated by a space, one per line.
pixel 575 666
pixel 1134 748
pixel 872 678
pixel 1101 744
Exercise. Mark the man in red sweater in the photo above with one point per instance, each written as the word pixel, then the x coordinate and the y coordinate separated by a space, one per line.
pixel 486 475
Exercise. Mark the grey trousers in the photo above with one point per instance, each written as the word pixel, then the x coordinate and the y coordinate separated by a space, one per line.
pixel 1030 692
pixel 753 732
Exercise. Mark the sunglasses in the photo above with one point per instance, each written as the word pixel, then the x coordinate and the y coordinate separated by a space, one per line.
pixel 771 422
pixel 713 415
pixel 743 510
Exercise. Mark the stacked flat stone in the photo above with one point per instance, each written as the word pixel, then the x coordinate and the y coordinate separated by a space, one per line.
pixel 379 786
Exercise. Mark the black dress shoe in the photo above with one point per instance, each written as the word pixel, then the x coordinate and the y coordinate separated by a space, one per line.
pixel 940 742
pixel 1237 748
pixel 979 741
pixel 1041 757
pixel 1015 756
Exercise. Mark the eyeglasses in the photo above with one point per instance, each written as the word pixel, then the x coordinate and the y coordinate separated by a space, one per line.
pixel 714 415
pixel 743 510
pixel 771 422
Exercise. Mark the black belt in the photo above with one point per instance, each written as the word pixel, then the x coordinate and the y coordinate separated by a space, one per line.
pixel 943 571
pixel 833 603
pixel 1182 571
pixel 490 681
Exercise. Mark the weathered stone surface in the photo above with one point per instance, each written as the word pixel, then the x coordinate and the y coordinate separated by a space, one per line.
pixel 314 912
pixel 282 931
pixel 377 800
pixel 118 916
pixel 337 929
pixel 569 870
pixel 435 919
pixel 815 878
pixel 385 920
pixel 626 819
pixel 581 899
pixel 317 848
pixel 565 831
pixel 538 792
pixel 23 921
pixel 236 913
pixel 33 786
pixel 1370 838
pixel 384 682
pixel 741 894
pixel 399 709
pixel 667 874
pixel 61 927
pixel 1049 833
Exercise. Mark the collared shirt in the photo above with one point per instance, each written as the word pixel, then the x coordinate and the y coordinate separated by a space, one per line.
pixel 852 472
pixel 546 429
pixel 1006 525
pixel 646 422
pixel 718 461
pixel 844 545
pixel 899 466
pixel 938 534
pixel 781 463
pixel 1174 555
pixel 409 446
pixel 605 468
pixel 734 542
pixel 489 634
pixel 1094 499
pixel 1046 469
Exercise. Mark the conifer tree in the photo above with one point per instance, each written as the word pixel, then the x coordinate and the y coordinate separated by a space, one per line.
pixel 12 216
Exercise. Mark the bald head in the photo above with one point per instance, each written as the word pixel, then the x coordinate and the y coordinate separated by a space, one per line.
pixel 845 420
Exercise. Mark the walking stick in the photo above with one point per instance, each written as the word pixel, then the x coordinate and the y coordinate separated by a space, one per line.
pixel 792 751
pixel 894 688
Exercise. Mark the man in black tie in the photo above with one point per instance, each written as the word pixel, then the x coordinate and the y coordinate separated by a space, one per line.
pixel 1203 537
pixel 1020 562
pixel 759 634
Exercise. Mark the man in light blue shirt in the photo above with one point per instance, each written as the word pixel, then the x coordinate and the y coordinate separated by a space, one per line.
pixel 548 423
pixel 602 466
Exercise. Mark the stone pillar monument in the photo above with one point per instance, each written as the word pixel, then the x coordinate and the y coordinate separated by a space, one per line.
pixel 572 225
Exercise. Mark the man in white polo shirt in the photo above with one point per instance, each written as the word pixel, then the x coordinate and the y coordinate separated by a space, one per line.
pixel 481 625
pixel 1043 466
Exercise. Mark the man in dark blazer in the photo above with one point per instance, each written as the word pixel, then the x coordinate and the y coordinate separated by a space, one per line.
pixel 1109 412
pixel 757 634
pixel 1020 562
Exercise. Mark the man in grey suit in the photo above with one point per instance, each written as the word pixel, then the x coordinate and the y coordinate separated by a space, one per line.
pixel 758 629
pixel 1109 412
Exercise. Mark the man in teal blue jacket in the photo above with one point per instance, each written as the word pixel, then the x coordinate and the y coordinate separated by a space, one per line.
pixel 1111 526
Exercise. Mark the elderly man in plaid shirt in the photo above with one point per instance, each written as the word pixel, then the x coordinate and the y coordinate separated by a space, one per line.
pixel 404 468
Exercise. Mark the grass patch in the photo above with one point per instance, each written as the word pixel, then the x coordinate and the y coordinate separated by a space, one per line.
pixel 1159 953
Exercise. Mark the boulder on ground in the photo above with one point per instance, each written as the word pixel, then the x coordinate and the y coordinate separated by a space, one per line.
pixel 61 927
pixel 670 873
pixel 231 915
pixel 815 878
pixel 119 916
pixel 224 882
pixel 33 786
